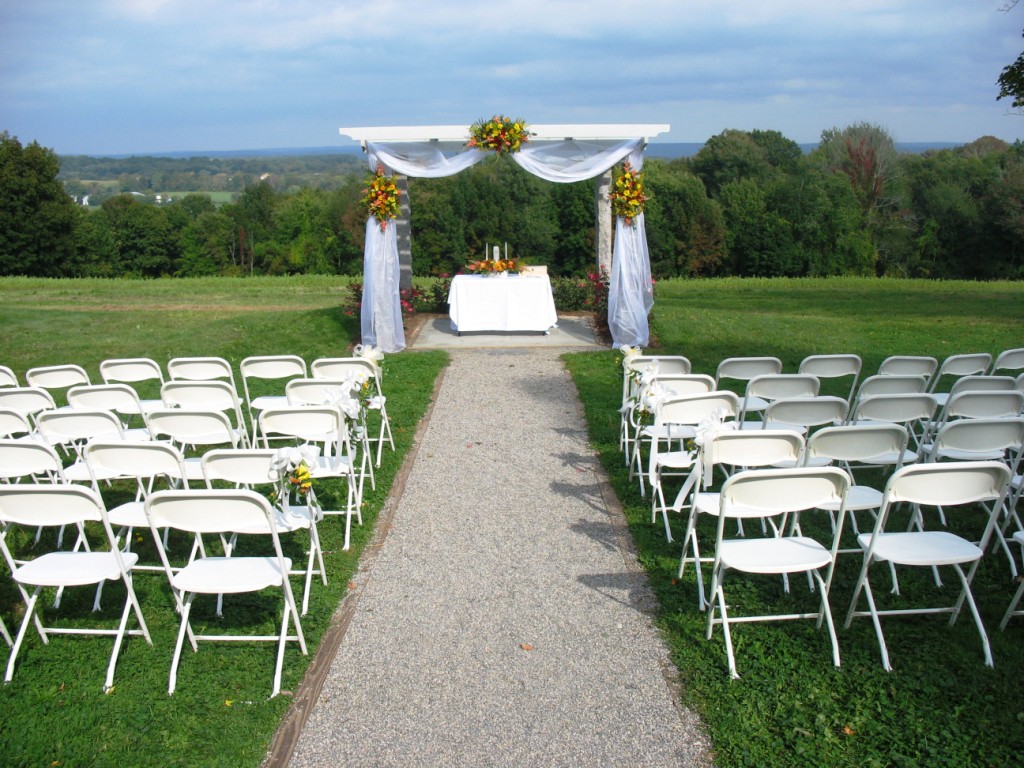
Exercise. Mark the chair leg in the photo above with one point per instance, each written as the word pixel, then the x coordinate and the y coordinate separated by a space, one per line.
pixel 186 608
pixel 876 620
pixel 1013 606
pixel 30 608
pixel 826 611
pixel 966 595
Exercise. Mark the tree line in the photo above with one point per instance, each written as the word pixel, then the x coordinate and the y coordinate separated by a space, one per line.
pixel 749 203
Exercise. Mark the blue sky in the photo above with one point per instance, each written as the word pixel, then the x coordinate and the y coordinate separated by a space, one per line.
pixel 136 76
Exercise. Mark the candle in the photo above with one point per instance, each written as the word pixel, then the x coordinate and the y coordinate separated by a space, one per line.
pixel 497 252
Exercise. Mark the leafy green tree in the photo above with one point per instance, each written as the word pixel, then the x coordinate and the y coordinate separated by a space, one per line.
pixel 573 207
pixel 37 217
pixel 1011 82
pixel 730 156
pixel 208 246
pixel 760 240
pixel 144 242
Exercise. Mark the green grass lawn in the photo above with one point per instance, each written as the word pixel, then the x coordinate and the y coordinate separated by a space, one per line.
pixel 940 706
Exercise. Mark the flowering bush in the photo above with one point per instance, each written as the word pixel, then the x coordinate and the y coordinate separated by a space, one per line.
pixel 627 195
pixel 380 198
pixel 499 134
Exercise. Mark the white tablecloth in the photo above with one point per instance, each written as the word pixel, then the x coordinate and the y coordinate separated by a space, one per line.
pixel 509 303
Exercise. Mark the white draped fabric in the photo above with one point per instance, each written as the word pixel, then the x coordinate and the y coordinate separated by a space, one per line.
pixel 630 290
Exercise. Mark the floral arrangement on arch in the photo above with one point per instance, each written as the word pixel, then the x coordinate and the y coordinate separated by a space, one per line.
pixel 380 198
pixel 485 266
pixel 499 134
pixel 627 195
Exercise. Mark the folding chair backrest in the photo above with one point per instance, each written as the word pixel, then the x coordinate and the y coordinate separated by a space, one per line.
pixel 213 510
pixel 119 398
pixel 891 384
pixel 909 365
pixel 985 404
pixel 857 443
pixel 273 367
pixel 130 370
pixel 746 368
pixel 807 411
pixel 682 383
pixel 693 409
pixel 317 391
pixel 834 367
pixel 192 426
pixel 56 376
pixel 8 378
pixel 78 425
pixel 961 365
pixel 244 466
pixel 13 423
pixel 310 423
pixel 779 385
pixel 136 460
pixel 755 448
pixel 901 409
pixel 342 367
pixel 49 505
pixel 1010 360
pixel 200 369
pixel 26 400
pixel 949 484
pixel 983 383
pixel 980 436
pixel 212 393
pixel 28 458
pixel 765 492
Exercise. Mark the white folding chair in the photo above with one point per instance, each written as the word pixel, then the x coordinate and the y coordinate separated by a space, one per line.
pixel 914 411
pixel 958 366
pixel 1009 360
pixel 325 427
pixel 207 394
pixel 909 365
pixel 651 388
pixel 834 367
pixel 57 506
pixel 251 468
pixel 1012 609
pixel 144 463
pixel 8 378
pixel 187 427
pixel 633 368
pixel 134 371
pixel 121 399
pixel 729 451
pixel 768 494
pixel 28 401
pixel 346 367
pixel 260 371
pixel 951 485
pixel 803 414
pixel 761 391
pixel 72 430
pixel 15 425
pixel 224 512
pixel 201 369
pixel 744 369
pixel 31 460
pixel 56 377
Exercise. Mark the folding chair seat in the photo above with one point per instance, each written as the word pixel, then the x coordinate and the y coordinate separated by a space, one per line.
pixel 743 369
pixel 252 468
pixel 56 377
pixel 345 367
pixel 210 394
pixel 8 378
pixel 957 366
pixel 225 512
pixel 145 463
pixel 323 426
pixel 909 365
pixel 834 367
pixel 201 429
pixel 633 368
pixel 258 373
pixel 652 388
pixel 1009 361
pixel 72 430
pixel 768 494
pixel 135 372
pixel 775 386
pixel 120 399
pixel 675 421
pixel 729 451
pixel 953 485
pixel 58 506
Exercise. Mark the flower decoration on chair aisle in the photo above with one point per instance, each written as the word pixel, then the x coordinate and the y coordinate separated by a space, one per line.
pixel 627 195
pixel 290 466
pixel 499 134
pixel 380 198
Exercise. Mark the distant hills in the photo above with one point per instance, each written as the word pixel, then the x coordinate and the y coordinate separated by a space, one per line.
pixel 665 150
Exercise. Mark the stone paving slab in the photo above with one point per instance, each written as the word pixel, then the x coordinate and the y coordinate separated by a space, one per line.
pixel 504 620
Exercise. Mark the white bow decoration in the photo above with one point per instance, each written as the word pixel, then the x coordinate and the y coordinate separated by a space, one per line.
pixel 287 459
pixel 706 431
pixel 369 352
pixel 628 353
pixel 342 397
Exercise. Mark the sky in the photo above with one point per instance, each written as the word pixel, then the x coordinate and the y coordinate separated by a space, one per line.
pixel 144 76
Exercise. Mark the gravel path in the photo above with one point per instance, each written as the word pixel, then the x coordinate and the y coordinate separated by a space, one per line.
pixel 503 621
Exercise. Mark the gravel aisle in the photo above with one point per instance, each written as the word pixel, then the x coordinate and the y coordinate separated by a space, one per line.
pixel 500 623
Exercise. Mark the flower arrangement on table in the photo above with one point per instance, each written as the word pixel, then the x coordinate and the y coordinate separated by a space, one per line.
pixel 494 266
pixel 627 195
pixel 380 198
pixel 499 134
